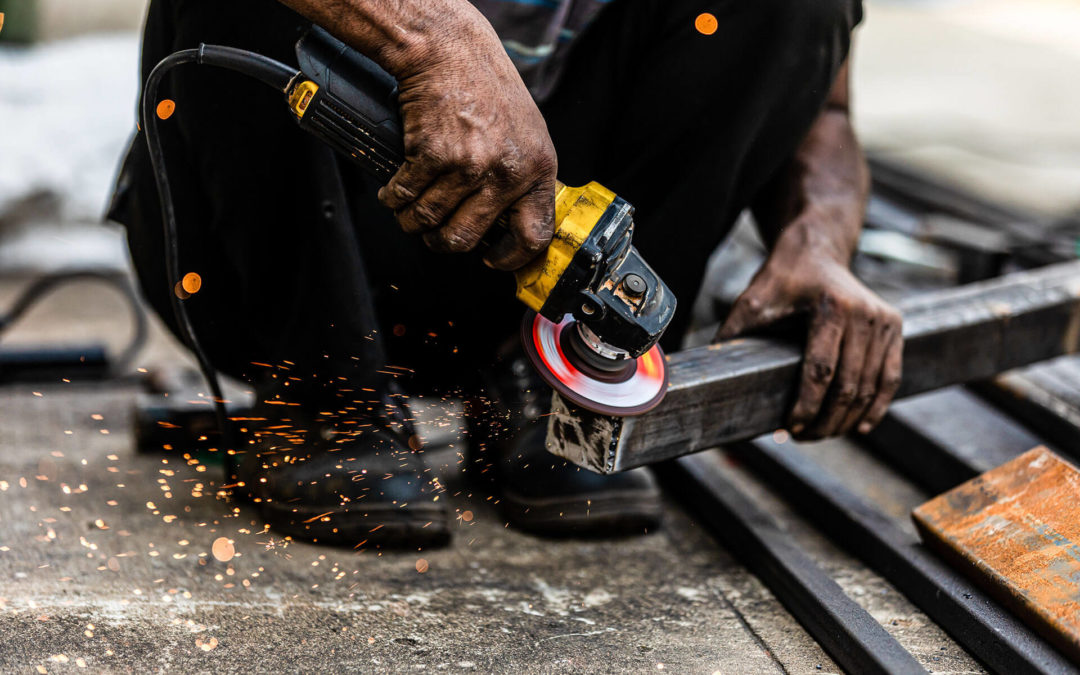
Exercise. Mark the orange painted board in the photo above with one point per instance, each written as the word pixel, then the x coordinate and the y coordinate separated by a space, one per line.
pixel 1015 530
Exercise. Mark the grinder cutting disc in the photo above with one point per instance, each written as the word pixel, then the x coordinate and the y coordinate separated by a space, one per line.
pixel 633 390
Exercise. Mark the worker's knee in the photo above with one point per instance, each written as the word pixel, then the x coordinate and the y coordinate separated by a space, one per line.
pixel 800 46
pixel 799 42
pixel 815 20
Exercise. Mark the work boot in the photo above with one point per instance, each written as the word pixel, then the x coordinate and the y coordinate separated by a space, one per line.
pixel 351 482
pixel 538 491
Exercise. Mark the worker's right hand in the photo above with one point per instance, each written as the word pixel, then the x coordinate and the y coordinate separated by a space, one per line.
pixel 476 146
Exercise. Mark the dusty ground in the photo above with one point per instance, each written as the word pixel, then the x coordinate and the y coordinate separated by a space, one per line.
pixel 108 560
pixel 127 578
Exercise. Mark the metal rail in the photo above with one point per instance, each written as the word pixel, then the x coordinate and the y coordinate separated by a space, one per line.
pixel 853 638
pixel 983 627
pixel 1046 397
pixel 946 437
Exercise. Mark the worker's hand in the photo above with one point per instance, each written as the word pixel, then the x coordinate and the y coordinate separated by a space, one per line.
pixel 476 146
pixel 852 364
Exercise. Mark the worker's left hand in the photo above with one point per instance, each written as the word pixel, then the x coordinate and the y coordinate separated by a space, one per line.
pixel 852 363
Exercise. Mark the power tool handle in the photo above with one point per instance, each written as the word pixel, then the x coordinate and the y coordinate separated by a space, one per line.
pixel 355 108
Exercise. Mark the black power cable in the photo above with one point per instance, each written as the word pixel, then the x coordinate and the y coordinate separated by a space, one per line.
pixel 260 67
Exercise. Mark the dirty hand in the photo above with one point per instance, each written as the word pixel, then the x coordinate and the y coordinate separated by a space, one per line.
pixel 476 146
pixel 852 363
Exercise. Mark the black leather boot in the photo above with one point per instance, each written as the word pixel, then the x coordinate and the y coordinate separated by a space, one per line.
pixel 341 479
pixel 538 491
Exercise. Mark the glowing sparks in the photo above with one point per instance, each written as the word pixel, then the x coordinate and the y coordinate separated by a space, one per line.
pixel 191 282
pixel 706 23
pixel 223 549
pixel 177 477
pixel 206 645
pixel 166 108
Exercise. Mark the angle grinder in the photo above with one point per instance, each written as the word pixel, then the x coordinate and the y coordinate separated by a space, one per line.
pixel 597 309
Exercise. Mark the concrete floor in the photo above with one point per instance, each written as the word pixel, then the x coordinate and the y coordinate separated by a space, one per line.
pixel 108 560
pixel 139 566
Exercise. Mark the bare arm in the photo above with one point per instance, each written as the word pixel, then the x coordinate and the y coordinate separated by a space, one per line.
pixel 476 145
pixel 811 216
pixel 402 37
pixel 827 175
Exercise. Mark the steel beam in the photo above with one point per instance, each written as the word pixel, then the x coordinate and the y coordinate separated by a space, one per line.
pixel 984 628
pixel 1031 241
pixel 943 438
pixel 1046 397
pixel 743 388
pixel 853 638
pixel 930 194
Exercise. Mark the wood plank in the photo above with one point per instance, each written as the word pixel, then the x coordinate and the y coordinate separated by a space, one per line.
pixel 1016 531
pixel 743 388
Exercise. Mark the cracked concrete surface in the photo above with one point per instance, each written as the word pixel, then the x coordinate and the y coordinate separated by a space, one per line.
pixel 107 559
pixel 122 545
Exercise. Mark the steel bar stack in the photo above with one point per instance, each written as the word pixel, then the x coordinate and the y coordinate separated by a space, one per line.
pixel 959 343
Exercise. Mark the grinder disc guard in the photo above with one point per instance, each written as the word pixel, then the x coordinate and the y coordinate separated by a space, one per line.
pixel 633 390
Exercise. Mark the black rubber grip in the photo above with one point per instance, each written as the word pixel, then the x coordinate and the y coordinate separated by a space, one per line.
pixel 355 110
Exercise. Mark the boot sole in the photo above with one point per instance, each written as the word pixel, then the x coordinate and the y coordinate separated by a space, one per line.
pixel 612 515
pixel 369 525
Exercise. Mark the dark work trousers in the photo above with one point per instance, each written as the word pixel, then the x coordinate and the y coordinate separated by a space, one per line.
pixel 302 268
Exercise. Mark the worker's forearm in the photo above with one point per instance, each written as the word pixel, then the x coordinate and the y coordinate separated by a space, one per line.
pixel 817 202
pixel 811 215
pixel 402 36
pixel 826 193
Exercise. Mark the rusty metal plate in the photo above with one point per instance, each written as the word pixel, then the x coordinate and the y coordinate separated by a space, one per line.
pixel 1016 530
